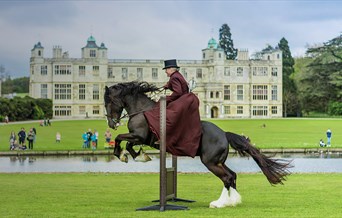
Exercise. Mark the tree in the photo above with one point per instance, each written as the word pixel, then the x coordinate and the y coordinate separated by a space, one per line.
pixel 25 108
pixel 18 85
pixel 328 59
pixel 2 72
pixel 226 42
pixel 321 81
pixel 290 100
pixel 304 87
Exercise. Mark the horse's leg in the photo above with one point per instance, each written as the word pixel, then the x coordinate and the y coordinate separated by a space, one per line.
pixel 213 153
pixel 129 148
pixel 234 195
pixel 131 139
pixel 227 179
pixel 117 148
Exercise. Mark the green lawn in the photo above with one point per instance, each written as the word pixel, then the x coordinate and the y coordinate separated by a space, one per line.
pixel 119 194
pixel 278 133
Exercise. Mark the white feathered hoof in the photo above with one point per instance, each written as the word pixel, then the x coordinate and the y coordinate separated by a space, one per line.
pixel 235 197
pixel 143 157
pixel 216 204
pixel 123 156
pixel 227 199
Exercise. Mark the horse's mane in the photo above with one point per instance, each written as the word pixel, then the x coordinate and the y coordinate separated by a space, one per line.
pixel 131 88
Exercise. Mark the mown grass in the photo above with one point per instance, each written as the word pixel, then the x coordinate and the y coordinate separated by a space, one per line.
pixel 277 133
pixel 119 194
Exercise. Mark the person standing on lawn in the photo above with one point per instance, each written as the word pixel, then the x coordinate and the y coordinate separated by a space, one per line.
pixel 329 133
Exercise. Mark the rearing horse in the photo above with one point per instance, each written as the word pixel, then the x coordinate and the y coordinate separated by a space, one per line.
pixel 213 149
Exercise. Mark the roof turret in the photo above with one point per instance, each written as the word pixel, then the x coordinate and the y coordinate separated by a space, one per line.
pixel 38 45
pixel 103 46
pixel 91 43
pixel 212 43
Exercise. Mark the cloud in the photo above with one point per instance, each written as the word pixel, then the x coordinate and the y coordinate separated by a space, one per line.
pixel 159 29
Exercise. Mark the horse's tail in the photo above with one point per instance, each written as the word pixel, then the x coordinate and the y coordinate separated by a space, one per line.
pixel 275 170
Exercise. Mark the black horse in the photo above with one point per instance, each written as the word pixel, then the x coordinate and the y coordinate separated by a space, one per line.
pixel 213 149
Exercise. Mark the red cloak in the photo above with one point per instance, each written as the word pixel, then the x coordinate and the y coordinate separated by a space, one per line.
pixel 183 125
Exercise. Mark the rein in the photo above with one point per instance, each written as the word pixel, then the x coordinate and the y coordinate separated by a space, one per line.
pixel 132 114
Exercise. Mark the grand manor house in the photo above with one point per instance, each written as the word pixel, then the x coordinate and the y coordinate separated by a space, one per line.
pixel 241 88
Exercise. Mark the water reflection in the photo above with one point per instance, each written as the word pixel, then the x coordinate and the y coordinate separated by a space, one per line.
pixel 314 162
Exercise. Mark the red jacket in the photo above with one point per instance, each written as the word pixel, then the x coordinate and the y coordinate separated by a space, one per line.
pixel 178 85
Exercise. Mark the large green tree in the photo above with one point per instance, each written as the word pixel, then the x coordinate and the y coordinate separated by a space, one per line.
pixel 226 42
pixel 290 100
pixel 321 80
pixel 25 108
pixel 18 85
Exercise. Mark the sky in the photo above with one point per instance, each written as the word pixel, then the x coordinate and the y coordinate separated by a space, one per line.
pixel 160 29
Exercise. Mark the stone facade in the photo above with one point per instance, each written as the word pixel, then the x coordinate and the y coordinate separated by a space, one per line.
pixel 241 88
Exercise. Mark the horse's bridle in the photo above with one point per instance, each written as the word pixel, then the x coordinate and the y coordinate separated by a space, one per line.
pixel 117 120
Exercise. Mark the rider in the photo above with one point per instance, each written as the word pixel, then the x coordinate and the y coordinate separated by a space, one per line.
pixel 177 84
pixel 183 128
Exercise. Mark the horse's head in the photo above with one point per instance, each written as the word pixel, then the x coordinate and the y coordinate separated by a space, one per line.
pixel 114 106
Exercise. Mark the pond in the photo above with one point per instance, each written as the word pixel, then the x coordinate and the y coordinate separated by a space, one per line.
pixel 303 163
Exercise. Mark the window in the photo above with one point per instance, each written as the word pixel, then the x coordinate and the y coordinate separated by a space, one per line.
pixel 217 94
pixel 110 72
pixel 274 71
pixel 154 73
pixel 239 92
pixel 82 110
pixel 199 73
pixel 259 110
pixel 81 91
pixel 124 73
pixel 226 109
pixel 96 70
pixel 139 73
pixel 274 93
pixel 92 53
pixel 211 94
pixel 62 91
pixel 43 70
pixel 96 109
pixel 184 73
pixel 96 92
pixel 62 69
pixel 81 70
pixel 39 53
pixel 239 71
pixel 227 71
pixel 274 109
pixel 259 92
pixel 260 71
pixel 43 91
pixel 62 110
pixel 226 91
pixel 239 110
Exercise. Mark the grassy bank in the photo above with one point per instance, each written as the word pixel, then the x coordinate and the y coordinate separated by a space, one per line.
pixel 118 195
pixel 265 133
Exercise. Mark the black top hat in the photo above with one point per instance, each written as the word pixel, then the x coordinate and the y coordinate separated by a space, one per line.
pixel 170 63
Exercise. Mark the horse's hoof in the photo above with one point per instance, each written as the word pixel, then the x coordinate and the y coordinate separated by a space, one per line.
pixel 124 158
pixel 143 158
pixel 216 204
